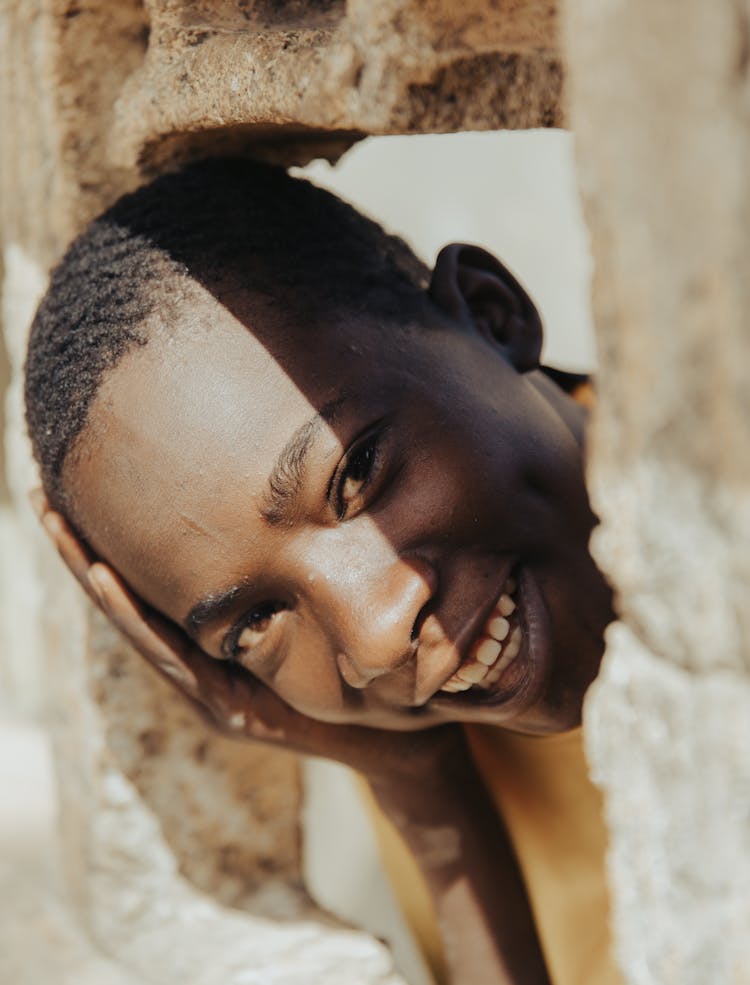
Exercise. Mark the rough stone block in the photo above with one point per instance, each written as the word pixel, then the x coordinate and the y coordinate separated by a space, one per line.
pixel 294 79
pixel 662 119
pixel 670 747
pixel 110 90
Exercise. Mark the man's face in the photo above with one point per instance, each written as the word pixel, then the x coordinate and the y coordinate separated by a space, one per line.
pixel 348 511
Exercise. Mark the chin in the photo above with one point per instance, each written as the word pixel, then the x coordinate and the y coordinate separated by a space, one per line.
pixel 544 721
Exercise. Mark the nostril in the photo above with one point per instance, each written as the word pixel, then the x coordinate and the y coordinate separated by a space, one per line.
pixel 416 629
pixel 427 582
pixel 351 674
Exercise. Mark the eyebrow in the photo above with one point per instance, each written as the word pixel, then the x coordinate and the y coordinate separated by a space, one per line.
pixel 211 607
pixel 278 505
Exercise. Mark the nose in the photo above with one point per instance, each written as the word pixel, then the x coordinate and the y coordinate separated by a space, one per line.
pixel 378 610
pixel 384 625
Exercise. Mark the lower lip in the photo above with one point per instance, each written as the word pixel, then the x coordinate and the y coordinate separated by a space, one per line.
pixel 522 682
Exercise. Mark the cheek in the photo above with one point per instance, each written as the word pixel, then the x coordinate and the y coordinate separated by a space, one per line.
pixel 430 498
pixel 309 681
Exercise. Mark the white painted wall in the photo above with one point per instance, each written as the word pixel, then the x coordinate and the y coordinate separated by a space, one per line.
pixel 512 192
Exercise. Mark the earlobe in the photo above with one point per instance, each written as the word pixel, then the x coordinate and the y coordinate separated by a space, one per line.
pixel 470 285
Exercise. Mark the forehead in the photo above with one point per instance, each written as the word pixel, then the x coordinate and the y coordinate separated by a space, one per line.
pixel 225 370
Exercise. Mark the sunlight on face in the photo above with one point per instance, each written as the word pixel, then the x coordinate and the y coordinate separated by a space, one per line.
pixel 364 540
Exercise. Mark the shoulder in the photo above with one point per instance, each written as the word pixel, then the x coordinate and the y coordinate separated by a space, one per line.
pixel 570 394
pixel 578 386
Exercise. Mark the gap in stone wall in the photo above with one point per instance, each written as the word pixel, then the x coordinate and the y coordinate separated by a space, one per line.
pixel 265 14
pixel 274 144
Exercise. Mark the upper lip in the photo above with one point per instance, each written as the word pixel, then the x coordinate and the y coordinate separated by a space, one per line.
pixel 463 642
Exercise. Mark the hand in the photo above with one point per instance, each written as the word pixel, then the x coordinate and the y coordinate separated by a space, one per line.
pixel 229 698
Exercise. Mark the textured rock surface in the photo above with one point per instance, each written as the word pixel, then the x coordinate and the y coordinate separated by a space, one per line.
pixel 662 119
pixel 284 72
pixel 170 933
pixel 107 87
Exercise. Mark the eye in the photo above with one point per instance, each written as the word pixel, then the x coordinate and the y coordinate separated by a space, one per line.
pixel 250 631
pixel 356 473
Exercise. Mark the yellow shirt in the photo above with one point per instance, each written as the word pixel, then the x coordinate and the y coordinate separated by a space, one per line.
pixel 553 814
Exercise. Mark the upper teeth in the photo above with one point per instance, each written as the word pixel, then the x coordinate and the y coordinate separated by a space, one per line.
pixel 497 646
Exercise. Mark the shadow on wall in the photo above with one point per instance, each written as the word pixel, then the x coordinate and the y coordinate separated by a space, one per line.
pixel 4 383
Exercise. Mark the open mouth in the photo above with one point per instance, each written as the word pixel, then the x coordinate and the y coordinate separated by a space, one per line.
pixel 506 662
pixel 495 649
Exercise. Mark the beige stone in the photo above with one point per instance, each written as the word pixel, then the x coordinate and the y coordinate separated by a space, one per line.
pixel 292 77
pixel 660 103
pixel 110 86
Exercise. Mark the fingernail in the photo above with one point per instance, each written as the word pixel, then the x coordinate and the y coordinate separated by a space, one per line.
pixel 50 524
pixel 38 502
pixel 96 587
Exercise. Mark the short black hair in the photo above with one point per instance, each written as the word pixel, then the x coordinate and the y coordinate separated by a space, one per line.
pixel 219 222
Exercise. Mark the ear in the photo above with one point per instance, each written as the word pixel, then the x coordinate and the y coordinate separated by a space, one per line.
pixel 469 284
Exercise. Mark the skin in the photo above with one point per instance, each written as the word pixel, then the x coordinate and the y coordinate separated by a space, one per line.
pixel 444 461
pixel 358 610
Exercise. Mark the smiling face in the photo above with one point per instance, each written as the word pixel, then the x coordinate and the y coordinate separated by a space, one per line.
pixel 389 527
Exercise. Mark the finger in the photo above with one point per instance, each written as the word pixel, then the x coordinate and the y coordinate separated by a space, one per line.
pixel 157 639
pixel 39 502
pixel 75 554
pixel 226 695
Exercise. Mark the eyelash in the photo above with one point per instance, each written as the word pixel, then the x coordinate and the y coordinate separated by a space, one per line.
pixel 264 611
pixel 368 446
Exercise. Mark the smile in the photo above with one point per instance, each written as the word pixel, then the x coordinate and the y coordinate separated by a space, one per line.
pixel 495 649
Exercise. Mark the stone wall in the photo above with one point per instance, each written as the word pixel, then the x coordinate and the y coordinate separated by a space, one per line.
pixel 660 104
pixel 96 95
